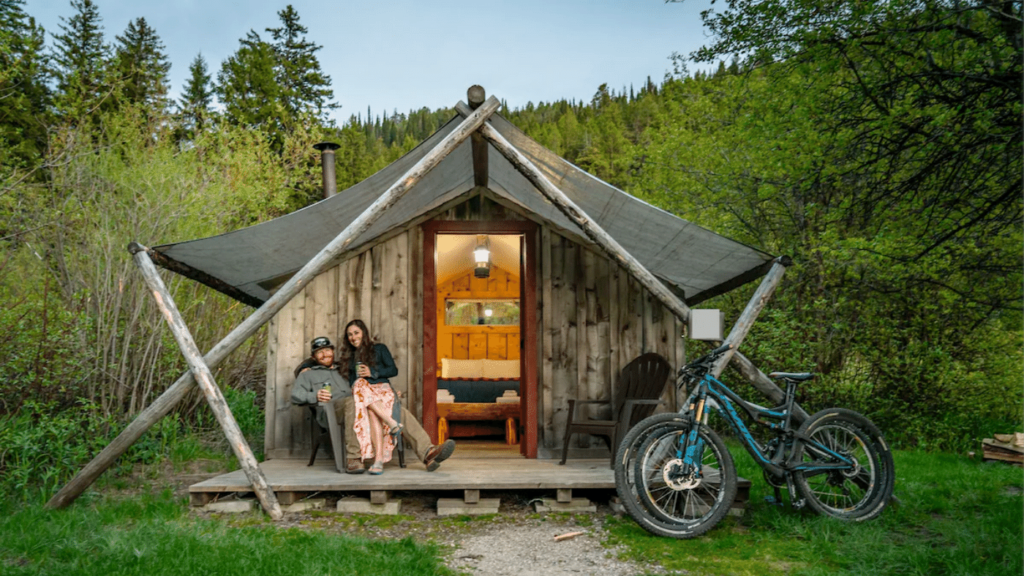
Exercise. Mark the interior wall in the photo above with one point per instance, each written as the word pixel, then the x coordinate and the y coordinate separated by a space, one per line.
pixel 475 342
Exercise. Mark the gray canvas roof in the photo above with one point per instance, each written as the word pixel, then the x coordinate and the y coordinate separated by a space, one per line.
pixel 246 262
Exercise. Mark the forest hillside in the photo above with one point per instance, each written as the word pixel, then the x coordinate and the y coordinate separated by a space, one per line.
pixel 879 146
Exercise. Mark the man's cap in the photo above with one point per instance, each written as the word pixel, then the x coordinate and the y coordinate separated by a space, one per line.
pixel 318 343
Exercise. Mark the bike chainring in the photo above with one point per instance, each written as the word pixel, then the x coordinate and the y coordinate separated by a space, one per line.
pixel 773 480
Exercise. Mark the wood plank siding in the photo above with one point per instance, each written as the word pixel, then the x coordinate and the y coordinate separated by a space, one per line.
pixel 592 318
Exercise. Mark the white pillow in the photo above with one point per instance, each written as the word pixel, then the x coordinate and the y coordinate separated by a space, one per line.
pixel 501 369
pixel 452 368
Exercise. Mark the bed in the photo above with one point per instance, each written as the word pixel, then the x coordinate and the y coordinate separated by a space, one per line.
pixel 481 395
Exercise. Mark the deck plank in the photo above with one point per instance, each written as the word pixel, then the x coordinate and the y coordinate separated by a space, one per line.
pixel 470 473
pixel 455 474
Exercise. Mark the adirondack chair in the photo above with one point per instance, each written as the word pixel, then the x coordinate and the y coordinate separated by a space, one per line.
pixel 637 392
pixel 335 436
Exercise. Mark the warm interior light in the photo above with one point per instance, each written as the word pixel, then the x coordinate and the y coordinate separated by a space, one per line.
pixel 482 257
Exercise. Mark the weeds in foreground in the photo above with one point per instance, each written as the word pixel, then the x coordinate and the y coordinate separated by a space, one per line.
pixel 955 516
pixel 42 448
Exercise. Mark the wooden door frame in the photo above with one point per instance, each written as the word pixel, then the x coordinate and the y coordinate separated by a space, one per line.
pixel 528 333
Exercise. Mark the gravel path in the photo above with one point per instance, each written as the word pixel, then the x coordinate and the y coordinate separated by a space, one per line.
pixel 528 549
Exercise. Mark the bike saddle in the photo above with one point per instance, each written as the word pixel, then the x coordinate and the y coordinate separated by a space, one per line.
pixel 798 376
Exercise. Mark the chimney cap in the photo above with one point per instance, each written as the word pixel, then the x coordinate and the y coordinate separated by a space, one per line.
pixel 326 146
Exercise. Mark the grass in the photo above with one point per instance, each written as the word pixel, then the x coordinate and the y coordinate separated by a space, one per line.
pixel 154 534
pixel 956 517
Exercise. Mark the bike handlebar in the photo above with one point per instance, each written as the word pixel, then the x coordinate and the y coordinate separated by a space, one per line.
pixel 706 360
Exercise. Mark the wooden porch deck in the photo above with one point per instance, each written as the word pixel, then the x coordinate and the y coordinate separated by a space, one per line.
pixel 467 469
pixel 475 466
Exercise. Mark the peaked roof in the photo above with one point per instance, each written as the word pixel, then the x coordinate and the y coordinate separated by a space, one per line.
pixel 246 263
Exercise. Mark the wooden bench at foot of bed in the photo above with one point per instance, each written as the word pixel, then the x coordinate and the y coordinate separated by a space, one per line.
pixel 478 411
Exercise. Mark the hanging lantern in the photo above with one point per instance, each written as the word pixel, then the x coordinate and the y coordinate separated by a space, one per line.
pixel 482 257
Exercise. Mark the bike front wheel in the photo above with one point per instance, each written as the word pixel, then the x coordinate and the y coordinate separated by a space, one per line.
pixel 625 465
pixel 680 501
pixel 858 493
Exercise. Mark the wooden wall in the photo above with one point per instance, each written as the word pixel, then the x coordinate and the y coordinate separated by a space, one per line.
pixel 592 319
pixel 379 286
pixel 475 342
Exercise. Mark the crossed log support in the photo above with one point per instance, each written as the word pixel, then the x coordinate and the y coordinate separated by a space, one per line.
pixel 674 304
pixel 162 405
pixel 474 123
pixel 202 374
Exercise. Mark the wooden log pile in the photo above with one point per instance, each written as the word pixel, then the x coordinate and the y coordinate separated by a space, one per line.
pixel 1005 448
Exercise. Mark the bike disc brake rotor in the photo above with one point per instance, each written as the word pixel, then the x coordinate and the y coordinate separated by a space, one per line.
pixel 675 477
pixel 854 470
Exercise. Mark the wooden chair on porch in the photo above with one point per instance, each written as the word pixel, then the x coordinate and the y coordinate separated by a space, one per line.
pixel 637 392
pixel 335 436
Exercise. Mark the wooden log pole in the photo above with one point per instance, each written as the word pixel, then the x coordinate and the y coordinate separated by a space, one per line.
pixel 476 96
pixel 162 405
pixel 577 215
pixel 741 363
pixel 611 247
pixel 746 320
pixel 760 381
pixel 204 377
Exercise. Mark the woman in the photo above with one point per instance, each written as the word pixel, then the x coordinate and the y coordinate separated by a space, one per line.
pixel 368 365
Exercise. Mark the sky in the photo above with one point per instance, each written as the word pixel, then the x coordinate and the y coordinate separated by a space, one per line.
pixel 405 55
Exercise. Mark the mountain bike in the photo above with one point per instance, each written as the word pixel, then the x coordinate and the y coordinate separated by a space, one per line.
pixel 676 477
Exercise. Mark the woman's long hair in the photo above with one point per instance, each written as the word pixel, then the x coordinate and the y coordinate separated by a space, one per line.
pixel 351 354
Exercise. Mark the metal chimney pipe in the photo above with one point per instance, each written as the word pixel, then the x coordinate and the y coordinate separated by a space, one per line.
pixel 327 167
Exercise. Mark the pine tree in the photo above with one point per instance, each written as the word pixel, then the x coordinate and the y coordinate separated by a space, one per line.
pixel 197 96
pixel 82 62
pixel 142 66
pixel 305 88
pixel 24 96
pixel 248 88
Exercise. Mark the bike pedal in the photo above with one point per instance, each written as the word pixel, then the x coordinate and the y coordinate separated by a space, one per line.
pixel 773 501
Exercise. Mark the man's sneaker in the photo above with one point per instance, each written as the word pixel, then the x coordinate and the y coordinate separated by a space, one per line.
pixel 438 454
pixel 354 466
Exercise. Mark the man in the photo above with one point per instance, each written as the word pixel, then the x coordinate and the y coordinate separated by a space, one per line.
pixel 318 381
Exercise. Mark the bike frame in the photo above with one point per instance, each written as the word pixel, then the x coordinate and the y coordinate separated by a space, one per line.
pixel 696 406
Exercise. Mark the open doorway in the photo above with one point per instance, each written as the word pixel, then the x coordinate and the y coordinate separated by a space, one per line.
pixel 479 384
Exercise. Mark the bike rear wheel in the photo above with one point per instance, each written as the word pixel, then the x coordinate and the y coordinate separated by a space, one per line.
pixel 857 494
pixel 676 502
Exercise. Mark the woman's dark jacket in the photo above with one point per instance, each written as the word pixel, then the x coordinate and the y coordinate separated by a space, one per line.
pixel 382 369
pixel 383 366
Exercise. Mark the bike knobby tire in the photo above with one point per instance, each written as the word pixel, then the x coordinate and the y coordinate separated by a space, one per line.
pixel 859 494
pixel 682 508
pixel 625 460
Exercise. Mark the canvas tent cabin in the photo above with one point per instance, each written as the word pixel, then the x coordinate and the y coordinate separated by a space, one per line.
pixel 581 315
